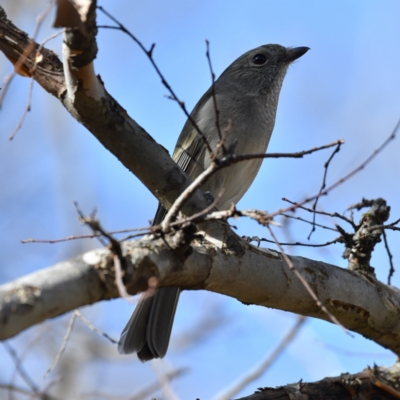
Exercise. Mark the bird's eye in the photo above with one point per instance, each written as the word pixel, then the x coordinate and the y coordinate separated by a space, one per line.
pixel 259 59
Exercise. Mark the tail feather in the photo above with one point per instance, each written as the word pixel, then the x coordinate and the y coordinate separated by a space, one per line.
pixel 148 330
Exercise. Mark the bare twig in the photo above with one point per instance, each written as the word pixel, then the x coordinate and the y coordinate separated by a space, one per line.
pixel 95 225
pixel 306 285
pixel 115 248
pixel 185 195
pixel 150 229
pixel 24 353
pixel 388 226
pixel 26 110
pixel 260 216
pixel 51 37
pixel 393 223
pixel 93 328
pixel 263 366
pixel 226 161
pixel 17 389
pixel 142 394
pixel 216 110
pixel 297 154
pixel 144 231
pixel 18 64
pixel 38 58
pixel 119 282
pixel 391 137
pixel 309 222
pixel 20 368
pixel 164 380
pixel 66 239
pixel 362 204
pixel 235 158
pixel 335 214
pixel 337 240
pixel 212 319
pixel 326 166
pixel 390 255
pixel 63 345
pixel 392 228
pixel 351 353
pixel 149 54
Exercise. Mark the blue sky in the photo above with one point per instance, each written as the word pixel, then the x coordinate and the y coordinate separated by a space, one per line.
pixel 346 87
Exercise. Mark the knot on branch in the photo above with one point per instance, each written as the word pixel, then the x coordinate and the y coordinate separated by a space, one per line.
pixel 158 255
pixel 359 246
pixel 179 240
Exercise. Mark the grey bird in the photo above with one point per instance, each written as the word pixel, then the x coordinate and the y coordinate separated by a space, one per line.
pixel 247 94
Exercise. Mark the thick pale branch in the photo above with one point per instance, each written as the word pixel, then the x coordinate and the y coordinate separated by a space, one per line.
pixel 251 275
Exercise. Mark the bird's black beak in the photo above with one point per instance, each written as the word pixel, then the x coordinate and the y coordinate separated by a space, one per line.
pixel 294 54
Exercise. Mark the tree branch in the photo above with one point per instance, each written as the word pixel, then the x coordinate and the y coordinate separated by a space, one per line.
pixel 372 383
pixel 101 115
pixel 360 303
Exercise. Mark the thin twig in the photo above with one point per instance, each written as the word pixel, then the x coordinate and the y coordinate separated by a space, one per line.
pixel 390 255
pixel 137 235
pixel 200 215
pixel 38 58
pixel 392 136
pixel 390 226
pixel 264 365
pixel 142 394
pixel 164 380
pixel 145 393
pixel 226 161
pixel 333 215
pixel 24 375
pixel 51 37
pixel 323 185
pixel 393 223
pixel 361 204
pixel 260 216
pixel 393 228
pixel 309 222
pixel 145 230
pixel 90 222
pixel 115 248
pixel 95 225
pixel 53 241
pixel 39 20
pixel 93 328
pixel 63 345
pixel 306 285
pixel 337 240
pixel 216 110
pixel 351 353
pixel 185 195
pixel 119 282
pixel 26 110
pixel 297 154
pixel 17 389
pixel 42 395
pixel 149 54
pixel 24 353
